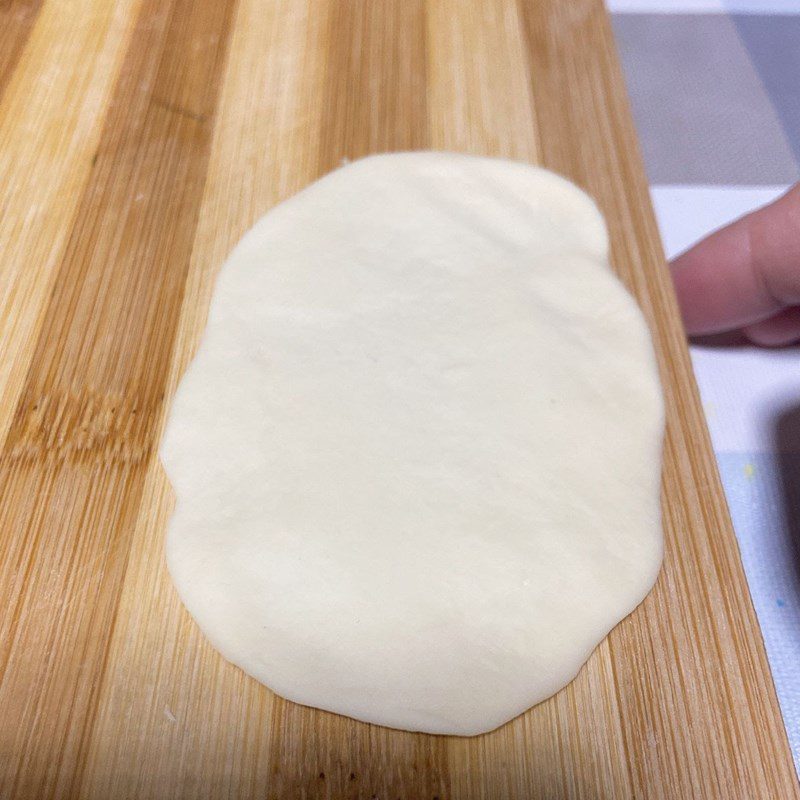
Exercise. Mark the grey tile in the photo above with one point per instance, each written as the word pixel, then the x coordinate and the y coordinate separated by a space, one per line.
pixel 773 43
pixel 702 113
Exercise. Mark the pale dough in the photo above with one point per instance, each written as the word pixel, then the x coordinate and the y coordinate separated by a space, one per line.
pixel 417 455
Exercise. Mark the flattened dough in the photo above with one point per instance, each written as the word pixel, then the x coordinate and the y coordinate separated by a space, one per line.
pixel 417 455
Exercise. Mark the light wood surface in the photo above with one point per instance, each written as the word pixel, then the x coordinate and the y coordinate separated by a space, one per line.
pixel 138 140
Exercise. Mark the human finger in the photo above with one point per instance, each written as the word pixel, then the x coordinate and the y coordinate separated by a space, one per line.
pixel 744 273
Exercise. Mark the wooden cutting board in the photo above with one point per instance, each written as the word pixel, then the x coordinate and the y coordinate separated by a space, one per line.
pixel 138 140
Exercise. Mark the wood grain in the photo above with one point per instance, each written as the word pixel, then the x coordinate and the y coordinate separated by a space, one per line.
pixel 16 22
pixel 51 113
pixel 138 141
pixel 79 444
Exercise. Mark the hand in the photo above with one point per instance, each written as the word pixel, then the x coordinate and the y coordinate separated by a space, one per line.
pixel 746 276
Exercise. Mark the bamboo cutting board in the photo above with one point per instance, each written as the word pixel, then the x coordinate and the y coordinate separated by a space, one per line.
pixel 138 140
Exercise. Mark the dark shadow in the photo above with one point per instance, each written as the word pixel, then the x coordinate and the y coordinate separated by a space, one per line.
pixel 786 449
pixel 726 340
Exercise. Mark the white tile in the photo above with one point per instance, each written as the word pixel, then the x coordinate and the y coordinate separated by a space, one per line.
pixel 665 6
pixel 762 6
pixel 703 6
pixel 687 213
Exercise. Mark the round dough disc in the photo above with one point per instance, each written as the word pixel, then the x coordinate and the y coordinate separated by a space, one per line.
pixel 417 455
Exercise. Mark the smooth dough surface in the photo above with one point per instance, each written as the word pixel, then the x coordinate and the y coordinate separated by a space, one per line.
pixel 417 455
